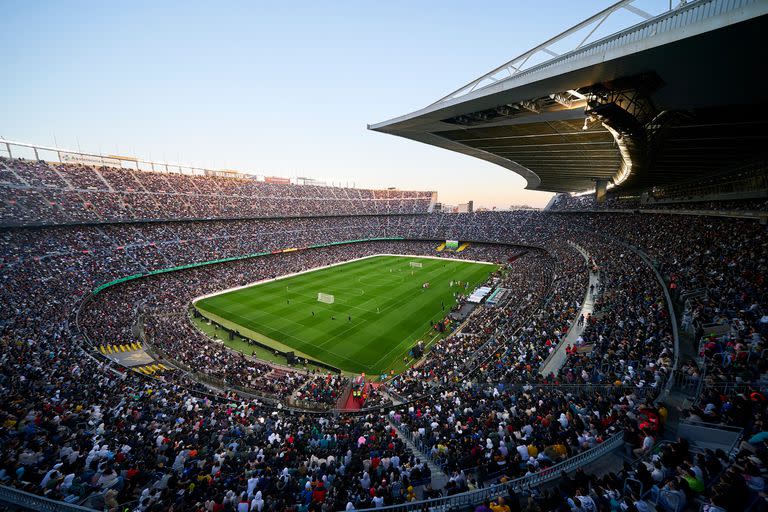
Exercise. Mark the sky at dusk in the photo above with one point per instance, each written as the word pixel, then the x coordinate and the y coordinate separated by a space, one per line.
pixel 276 88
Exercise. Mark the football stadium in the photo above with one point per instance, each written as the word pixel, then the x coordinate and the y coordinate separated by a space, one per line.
pixel 202 338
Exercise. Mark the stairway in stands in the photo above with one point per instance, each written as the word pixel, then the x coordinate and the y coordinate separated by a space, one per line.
pixel 439 477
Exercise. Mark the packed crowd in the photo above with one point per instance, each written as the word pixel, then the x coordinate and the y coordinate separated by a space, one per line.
pixel 102 410
pixel 109 251
pixel 490 433
pixel 158 444
pixel 453 358
pixel 36 192
pixel 629 332
pixel 716 270
pixel 667 479
pixel 173 338
pixel 73 430
pixel 565 202
pixel 524 352
pixel 637 348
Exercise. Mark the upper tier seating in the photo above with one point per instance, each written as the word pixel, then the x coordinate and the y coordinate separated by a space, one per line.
pixel 34 192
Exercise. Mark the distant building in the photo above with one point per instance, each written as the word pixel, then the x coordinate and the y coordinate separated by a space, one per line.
pixel 467 207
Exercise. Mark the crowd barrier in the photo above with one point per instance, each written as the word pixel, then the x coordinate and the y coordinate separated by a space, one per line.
pixel 17 498
pixel 472 498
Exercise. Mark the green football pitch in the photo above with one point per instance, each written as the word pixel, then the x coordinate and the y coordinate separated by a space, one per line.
pixel 380 309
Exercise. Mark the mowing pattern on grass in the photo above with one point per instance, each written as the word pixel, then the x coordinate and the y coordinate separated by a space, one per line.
pixel 380 308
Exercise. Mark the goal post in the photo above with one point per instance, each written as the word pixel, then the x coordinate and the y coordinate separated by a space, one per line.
pixel 416 264
pixel 326 298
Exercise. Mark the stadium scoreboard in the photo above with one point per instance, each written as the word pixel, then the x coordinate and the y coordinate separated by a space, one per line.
pixel 452 244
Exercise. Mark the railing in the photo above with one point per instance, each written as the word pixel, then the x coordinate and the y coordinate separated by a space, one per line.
pixel 691 385
pixel 575 321
pixel 632 484
pixel 692 295
pixel 640 392
pixel 710 435
pixel 514 328
pixel 679 19
pixel 716 426
pixel 424 451
pixel 744 181
pixel 730 358
pixel 16 149
pixel 670 309
pixel 475 497
pixel 731 214
pixel 29 501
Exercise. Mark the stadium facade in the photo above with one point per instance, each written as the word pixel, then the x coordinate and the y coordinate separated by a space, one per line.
pixel 631 110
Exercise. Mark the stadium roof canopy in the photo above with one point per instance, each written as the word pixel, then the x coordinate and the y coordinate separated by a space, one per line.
pixel 676 95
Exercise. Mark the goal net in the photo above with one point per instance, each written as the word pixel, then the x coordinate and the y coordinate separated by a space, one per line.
pixel 416 264
pixel 325 297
